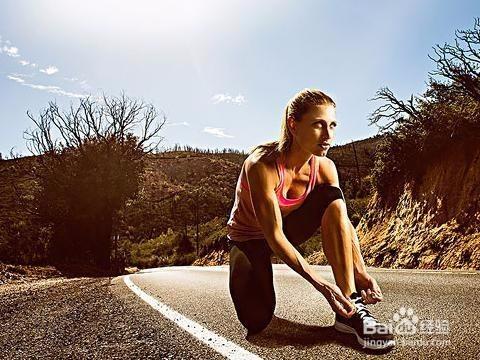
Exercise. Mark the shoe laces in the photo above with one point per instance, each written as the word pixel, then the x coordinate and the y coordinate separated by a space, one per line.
pixel 363 311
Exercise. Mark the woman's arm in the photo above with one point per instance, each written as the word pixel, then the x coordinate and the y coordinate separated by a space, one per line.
pixel 268 214
pixel 262 183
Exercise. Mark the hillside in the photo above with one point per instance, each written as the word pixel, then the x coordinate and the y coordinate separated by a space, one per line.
pixel 185 197
pixel 436 222
pixel 172 185
pixel 21 238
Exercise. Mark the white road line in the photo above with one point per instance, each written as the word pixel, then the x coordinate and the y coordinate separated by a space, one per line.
pixel 216 342
pixel 218 268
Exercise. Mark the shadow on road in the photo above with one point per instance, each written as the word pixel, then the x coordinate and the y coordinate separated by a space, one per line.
pixel 282 332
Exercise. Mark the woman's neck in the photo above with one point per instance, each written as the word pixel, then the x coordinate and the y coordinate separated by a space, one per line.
pixel 295 159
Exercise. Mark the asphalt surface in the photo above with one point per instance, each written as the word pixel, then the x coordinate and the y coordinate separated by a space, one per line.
pixel 87 318
pixel 302 327
pixel 102 318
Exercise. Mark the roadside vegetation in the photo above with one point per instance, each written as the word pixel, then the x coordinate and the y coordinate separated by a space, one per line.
pixel 420 129
pixel 98 190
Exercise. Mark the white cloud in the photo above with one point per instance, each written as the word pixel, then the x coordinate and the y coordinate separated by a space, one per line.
pixel 27 63
pixel 184 123
pixel 217 132
pixel 10 50
pixel 21 75
pixel 49 70
pixel 48 88
pixel 16 78
pixel 225 98
pixel 43 87
pixel 54 90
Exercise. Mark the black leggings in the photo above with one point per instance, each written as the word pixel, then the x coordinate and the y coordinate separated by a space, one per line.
pixel 251 276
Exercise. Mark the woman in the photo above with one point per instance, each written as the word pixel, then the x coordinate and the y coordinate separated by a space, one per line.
pixel 285 191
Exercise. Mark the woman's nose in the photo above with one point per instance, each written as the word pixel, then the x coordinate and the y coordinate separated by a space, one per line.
pixel 328 133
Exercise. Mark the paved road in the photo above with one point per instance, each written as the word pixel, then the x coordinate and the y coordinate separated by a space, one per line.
pixel 445 317
pixel 102 318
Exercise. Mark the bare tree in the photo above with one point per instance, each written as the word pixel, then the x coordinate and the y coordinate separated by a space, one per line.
pixel 112 117
pixel 395 111
pixel 417 130
pixel 91 160
pixel 460 62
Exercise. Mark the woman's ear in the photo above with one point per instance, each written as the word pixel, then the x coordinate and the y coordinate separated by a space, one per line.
pixel 291 124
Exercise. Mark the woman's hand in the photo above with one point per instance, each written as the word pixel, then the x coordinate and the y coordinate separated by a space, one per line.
pixel 368 288
pixel 338 302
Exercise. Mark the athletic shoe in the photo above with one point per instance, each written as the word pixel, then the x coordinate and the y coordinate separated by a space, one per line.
pixel 369 332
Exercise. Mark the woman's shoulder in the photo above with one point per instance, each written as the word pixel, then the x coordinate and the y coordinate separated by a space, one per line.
pixel 265 164
pixel 257 157
pixel 324 161
pixel 327 171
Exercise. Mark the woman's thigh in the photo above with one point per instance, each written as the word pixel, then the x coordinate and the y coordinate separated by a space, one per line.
pixel 301 224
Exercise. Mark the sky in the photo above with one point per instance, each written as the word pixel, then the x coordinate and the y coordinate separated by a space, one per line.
pixel 220 71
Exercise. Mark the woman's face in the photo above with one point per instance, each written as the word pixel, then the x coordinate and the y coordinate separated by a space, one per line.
pixel 315 131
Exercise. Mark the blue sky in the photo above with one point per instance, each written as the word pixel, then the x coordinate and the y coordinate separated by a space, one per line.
pixel 221 71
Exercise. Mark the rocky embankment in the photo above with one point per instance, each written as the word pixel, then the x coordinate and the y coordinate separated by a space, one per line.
pixel 436 222
pixel 10 273
pixel 215 257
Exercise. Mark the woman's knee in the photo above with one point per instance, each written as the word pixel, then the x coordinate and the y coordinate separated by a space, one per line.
pixel 337 207
pixel 335 215
pixel 325 195
pixel 253 310
pixel 259 323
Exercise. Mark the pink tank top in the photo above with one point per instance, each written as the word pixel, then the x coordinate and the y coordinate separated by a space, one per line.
pixel 242 224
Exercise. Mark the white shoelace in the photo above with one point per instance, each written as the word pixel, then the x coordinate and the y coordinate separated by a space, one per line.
pixel 363 311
